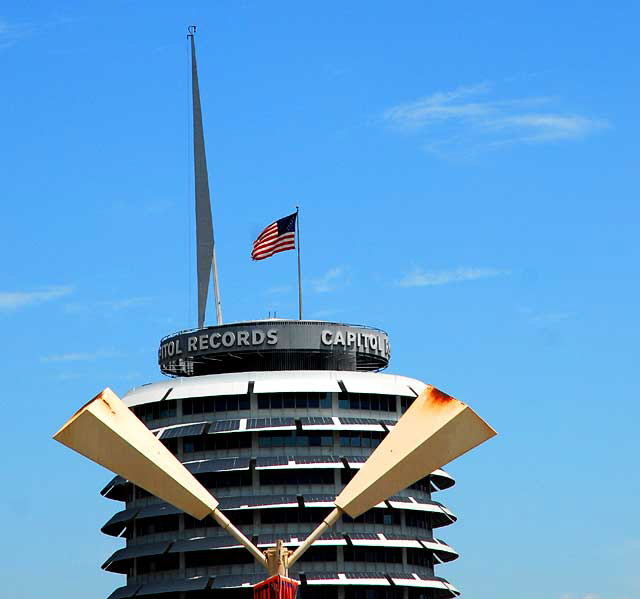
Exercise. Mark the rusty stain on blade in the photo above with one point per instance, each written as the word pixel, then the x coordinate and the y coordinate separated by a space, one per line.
pixel 436 429
pixel 436 396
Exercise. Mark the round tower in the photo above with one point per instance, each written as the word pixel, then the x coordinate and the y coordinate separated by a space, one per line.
pixel 275 417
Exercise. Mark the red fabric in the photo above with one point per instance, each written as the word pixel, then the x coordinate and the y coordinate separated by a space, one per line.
pixel 276 587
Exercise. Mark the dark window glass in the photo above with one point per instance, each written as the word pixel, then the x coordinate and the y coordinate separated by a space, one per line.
pixel 216 403
pixel 389 555
pixel 424 485
pixel 221 480
pixel 368 401
pixel 295 439
pixel 320 554
pixel 301 399
pixel 291 515
pixel 215 442
pixel 421 593
pixel 171 444
pixel 150 526
pixel 239 517
pixel 324 592
pixel 156 410
pixel 417 519
pixel 140 493
pixel 419 557
pixel 158 563
pixel 297 477
pixel 346 475
pixel 361 438
pixel 218 557
pixel 376 516
pixel 405 402
pixel 373 592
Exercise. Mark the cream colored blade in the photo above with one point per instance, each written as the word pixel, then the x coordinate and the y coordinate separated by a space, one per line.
pixel 434 430
pixel 109 433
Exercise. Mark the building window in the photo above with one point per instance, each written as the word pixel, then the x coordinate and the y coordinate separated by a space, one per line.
pixel 368 401
pixel 424 485
pixel 419 557
pixel 216 442
pixel 150 526
pixel 240 517
pixel 295 439
pixel 158 563
pixel 303 399
pixel 218 403
pixel 293 515
pixel 320 554
pixel 219 557
pixel 221 480
pixel 405 402
pixel 325 592
pixel 376 516
pixel 140 493
pixel 373 592
pixel 156 410
pixel 389 555
pixel 171 444
pixel 417 519
pixel 346 475
pixel 361 438
pixel 297 477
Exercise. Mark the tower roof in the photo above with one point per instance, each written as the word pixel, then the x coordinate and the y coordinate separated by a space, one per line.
pixel 263 345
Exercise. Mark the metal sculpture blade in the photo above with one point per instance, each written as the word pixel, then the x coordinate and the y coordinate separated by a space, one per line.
pixel 435 430
pixel 107 432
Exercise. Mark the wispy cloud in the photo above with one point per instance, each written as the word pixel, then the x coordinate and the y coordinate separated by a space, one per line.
pixel 330 280
pixel 422 278
pixel 78 356
pixel 113 305
pixel 541 127
pixel 439 106
pixel 278 289
pixel 13 300
pixel 473 116
pixel 13 32
pixel 127 302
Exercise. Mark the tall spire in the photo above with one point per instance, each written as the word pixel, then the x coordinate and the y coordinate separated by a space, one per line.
pixel 206 252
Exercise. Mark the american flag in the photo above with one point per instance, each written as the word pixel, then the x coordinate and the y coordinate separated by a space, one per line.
pixel 277 237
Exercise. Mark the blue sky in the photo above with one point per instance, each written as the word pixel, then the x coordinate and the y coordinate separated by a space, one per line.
pixel 468 181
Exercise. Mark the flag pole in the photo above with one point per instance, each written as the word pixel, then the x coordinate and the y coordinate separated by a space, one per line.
pixel 299 271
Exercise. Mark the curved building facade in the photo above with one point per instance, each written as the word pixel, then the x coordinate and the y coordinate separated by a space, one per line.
pixel 275 441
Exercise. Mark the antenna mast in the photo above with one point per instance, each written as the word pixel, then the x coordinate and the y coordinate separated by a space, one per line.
pixel 206 252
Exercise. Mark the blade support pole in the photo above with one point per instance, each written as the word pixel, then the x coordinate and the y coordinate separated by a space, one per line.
pixel 327 523
pixel 236 533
